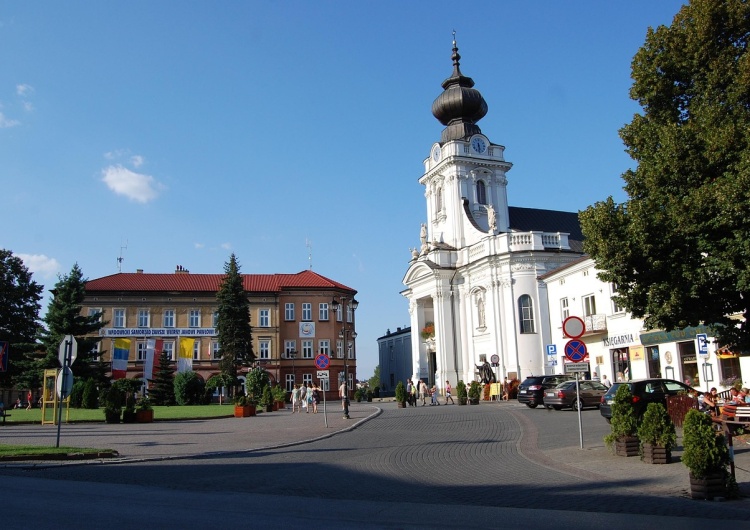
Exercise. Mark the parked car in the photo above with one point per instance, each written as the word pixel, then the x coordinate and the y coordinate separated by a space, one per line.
pixel 531 391
pixel 564 395
pixel 645 391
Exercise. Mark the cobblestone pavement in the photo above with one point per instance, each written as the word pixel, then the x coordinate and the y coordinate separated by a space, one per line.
pixel 498 455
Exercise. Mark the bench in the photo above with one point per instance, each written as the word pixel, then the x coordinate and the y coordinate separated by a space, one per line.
pixel 3 415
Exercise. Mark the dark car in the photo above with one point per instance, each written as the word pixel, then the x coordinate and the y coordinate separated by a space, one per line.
pixel 531 391
pixel 644 391
pixel 564 395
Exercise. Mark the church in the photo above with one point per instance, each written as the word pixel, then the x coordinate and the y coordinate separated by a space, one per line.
pixel 473 286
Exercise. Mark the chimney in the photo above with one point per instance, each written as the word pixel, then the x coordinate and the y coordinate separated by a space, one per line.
pixel 139 271
pixel 181 270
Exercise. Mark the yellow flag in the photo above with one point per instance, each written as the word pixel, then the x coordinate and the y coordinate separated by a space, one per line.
pixel 186 348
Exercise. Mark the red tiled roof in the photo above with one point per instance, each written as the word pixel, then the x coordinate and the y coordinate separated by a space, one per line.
pixel 138 281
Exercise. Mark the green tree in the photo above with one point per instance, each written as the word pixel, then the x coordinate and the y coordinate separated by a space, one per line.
pixel 678 249
pixel 374 381
pixel 19 318
pixel 188 388
pixel 233 322
pixel 64 317
pixel 162 392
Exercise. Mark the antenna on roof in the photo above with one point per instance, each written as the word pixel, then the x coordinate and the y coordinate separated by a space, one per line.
pixel 308 244
pixel 121 257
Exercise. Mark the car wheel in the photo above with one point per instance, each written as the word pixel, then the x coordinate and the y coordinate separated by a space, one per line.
pixel 531 405
pixel 576 405
pixel 557 407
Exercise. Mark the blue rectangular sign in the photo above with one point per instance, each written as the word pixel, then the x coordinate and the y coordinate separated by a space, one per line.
pixel 551 349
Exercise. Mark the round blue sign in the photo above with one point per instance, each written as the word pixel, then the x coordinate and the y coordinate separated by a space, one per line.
pixel 575 351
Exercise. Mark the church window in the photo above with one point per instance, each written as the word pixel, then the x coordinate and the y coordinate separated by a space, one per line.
pixel 526 314
pixel 481 192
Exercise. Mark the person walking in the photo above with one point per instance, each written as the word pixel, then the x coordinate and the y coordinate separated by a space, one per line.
pixel 434 395
pixel 506 390
pixel 315 398
pixel 413 395
pixel 408 392
pixel 28 398
pixel 309 396
pixel 342 395
pixel 606 382
pixel 295 400
pixel 423 392
pixel 448 393
pixel 302 397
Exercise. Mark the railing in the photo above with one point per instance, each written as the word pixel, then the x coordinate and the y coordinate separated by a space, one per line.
pixel 595 324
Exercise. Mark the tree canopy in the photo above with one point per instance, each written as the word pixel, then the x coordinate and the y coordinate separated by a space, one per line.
pixel 678 250
pixel 19 313
pixel 233 321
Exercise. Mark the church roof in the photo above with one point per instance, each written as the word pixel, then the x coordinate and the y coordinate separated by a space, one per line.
pixel 182 280
pixel 528 219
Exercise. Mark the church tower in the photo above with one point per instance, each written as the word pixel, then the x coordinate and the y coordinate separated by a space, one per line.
pixel 473 285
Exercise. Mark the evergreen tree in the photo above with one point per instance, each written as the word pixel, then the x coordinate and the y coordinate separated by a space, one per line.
pixel 678 250
pixel 233 322
pixel 162 392
pixel 64 317
pixel 19 318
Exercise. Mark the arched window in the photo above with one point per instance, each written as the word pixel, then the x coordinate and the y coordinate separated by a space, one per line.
pixel 526 314
pixel 481 192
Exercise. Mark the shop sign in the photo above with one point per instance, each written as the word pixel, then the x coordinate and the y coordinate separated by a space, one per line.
pixel 636 353
pixel 618 340
pixel 659 337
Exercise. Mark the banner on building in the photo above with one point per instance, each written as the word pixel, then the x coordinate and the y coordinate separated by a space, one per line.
pixel 120 356
pixel 185 355
pixel 152 347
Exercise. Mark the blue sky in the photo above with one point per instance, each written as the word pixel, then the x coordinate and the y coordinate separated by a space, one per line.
pixel 188 130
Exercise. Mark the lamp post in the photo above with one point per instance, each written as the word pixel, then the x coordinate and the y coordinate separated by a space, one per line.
pixel 343 336
pixel 293 355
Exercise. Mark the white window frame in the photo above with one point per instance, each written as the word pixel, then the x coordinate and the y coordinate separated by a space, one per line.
pixel 144 318
pixel 194 318
pixel 95 351
pixel 339 349
pixel 289 382
pixel 306 312
pixel 119 318
pixel 264 318
pixel 589 305
pixel 324 347
pixel 350 349
pixel 215 348
pixel 289 346
pixel 168 318
pixel 264 349
pixel 289 311
pixel 140 350
pixel 307 349
pixel 168 346
pixel 564 309
pixel 307 379
pixel 215 318
pixel 94 310
pixel 323 311
pixel 197 350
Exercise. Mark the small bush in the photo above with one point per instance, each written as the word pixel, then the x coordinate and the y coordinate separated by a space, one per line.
pixel 90 397
pixel 188 388
pixel 657 428
pixel 624 421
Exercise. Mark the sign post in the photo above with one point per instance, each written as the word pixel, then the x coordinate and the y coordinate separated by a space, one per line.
pixel 322 362
pixel 575 351
pixel 67 353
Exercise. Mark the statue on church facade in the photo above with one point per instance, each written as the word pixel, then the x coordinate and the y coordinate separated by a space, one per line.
pixel 491 219
pixel 486 375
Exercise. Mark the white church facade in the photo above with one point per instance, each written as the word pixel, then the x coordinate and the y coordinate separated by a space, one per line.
pixel 474 286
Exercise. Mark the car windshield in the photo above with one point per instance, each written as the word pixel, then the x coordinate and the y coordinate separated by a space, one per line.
pixel 566 384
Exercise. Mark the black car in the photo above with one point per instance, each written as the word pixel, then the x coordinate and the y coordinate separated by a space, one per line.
pixel 531 391
pixel 644 391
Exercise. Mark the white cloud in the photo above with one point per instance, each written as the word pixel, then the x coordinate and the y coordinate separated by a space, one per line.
pixel 137 161
pixel 28 106
pixel 199 245
pixel 41 264
pixel 6 123
pixel 24 90
pixel 135 186
pixel 226 246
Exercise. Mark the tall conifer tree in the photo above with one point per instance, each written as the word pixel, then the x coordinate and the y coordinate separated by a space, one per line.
pixel 233 322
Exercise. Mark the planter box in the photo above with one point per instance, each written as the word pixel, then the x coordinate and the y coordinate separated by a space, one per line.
pixel 111 416
pixel 713 485
pixel 401 404
pixel 280 405
pixel 244 411
pixel 462 401
pixel 655 454
pixel 128 416
pixel 628 446
pixel 144 416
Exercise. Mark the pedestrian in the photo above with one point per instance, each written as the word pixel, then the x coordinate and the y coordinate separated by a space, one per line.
pixel 448 393
pixel 309 395
pixel 408 391
pixel 28 399
pixel 343 395
pixel 413 395
pixel 423 392
pixel 506 390
pixel 606 382
pixel 303 397
pixel 315 398
pixel 295 399
pixel 434 395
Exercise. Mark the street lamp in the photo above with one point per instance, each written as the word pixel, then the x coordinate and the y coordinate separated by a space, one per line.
pixel 293 354
pixel 342 335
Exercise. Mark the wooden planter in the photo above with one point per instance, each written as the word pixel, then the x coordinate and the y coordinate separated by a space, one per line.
pixel 111 416
pixel 144 416
pixel 244 411
pixel 713 485
pixel 473 401
pixel 655 454
pixel 128 416
pixel 462 401
pixel 401 404
pixel 628 446
pixel 280 405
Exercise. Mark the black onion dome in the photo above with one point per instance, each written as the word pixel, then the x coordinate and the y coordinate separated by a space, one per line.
pixel 460 105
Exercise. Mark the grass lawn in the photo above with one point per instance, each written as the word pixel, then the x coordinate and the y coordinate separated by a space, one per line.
pixel 8 452
pixel 187 412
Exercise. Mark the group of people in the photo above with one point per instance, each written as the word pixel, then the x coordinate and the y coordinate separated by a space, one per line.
pixel 420 391
pixel 710 401
pixel 306 396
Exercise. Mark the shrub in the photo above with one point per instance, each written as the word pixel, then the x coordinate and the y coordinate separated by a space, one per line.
pixel 657 428
pixel 90 397
pixel 188 388
pixel 400 392
pixel 461 390
pixel 76 394
pixel 256 381
pixel 624 421
pixel 474 391
pixel 705 451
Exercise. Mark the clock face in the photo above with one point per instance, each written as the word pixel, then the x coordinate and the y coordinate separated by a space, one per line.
pixel 478 145
pixel 436 153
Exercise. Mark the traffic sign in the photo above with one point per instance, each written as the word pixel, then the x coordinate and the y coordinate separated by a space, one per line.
pixel 571 368
pixel 573 327
pixel 575 350
pixel 702 339
pixel 322 361
pixel 495 358
pixel 551 349
pixel 322 374
pixel 64 382
pixel 73 352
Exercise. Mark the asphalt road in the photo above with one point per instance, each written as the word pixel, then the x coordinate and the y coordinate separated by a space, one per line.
pixel 498 465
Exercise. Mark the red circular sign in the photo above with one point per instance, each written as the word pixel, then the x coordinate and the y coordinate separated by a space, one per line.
pixel 322 361
pixel 574 327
